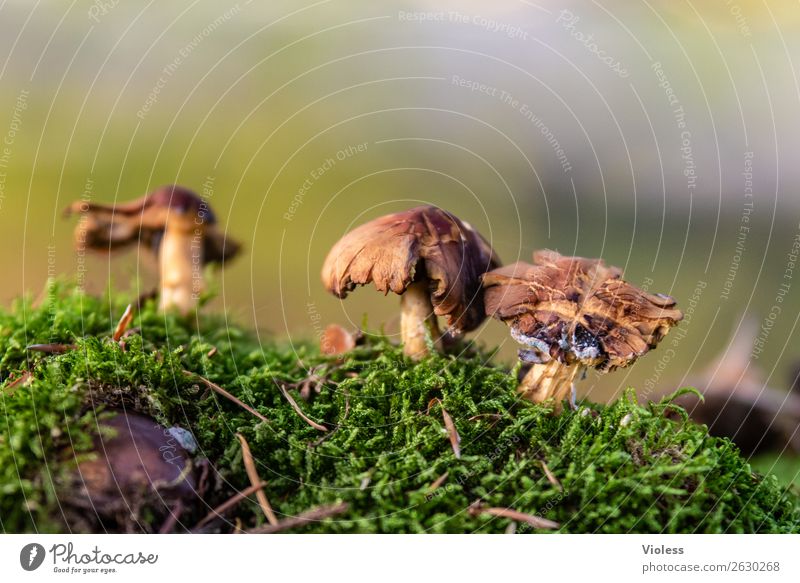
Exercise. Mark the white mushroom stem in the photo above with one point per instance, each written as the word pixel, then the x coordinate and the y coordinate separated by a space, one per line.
pixel 417 320
pixel 552 380
pixel 181 266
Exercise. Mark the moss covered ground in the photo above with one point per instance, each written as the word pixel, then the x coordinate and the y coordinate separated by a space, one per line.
pixel 387 451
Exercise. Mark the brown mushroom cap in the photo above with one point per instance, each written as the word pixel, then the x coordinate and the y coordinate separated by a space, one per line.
pixel 143 220
pixel 425 242
pixel 577 310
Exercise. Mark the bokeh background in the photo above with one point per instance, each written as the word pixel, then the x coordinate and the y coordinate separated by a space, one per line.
pixel 661 136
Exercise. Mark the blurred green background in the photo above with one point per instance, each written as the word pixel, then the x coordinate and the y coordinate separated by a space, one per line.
pixel 613 129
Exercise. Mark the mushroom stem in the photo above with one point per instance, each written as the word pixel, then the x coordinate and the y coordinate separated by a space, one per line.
pixel 417 320
pixel 552 380
pixel 181 259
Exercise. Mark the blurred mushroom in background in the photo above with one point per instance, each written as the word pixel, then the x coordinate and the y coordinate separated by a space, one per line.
pixel 430 258
pixel 738 403
pixel 571 314
pixel 173 223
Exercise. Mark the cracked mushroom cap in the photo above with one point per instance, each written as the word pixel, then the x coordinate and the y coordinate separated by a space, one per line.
pixel 577 310
pixel 423 243
pixel 143 220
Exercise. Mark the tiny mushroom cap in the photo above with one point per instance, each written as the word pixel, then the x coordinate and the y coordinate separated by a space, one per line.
pixel 172 222
pixel 571 313
pixel 430 257
pixel 336 340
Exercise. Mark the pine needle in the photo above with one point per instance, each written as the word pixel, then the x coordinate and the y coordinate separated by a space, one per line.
pixel 299 411
pixel 252 473
pixel 216 388
pixel 228 504
pixel 313 515
pixel 535 521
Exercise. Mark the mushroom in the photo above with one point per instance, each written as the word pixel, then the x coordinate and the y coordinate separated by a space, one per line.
pixel 429 257
pixel 336 340
pixel 572 313
pixel 174 223
pixel 135 463
pixel 739 404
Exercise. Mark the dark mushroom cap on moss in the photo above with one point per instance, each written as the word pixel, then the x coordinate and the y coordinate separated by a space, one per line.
pixel 143 221
pixel 134 457
pixel 577 310
pixel 423 243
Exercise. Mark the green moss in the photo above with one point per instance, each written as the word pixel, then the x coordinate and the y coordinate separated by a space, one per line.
pixel 619 468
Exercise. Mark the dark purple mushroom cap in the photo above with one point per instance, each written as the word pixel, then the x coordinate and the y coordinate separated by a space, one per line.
pixel 134 457
pixel 577 310
pixel 424 243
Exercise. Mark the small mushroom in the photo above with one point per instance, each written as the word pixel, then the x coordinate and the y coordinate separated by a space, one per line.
pixel 336 340
pixel 570 314
pixel 136 463
pixel 429 257
pixel 172 222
